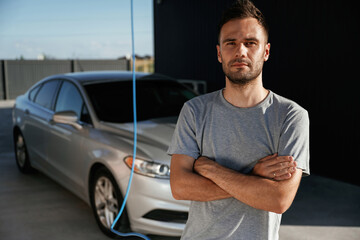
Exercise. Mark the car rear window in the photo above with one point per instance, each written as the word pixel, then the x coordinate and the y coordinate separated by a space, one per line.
pixel 46 94
pixel 33 93
pixel 112 101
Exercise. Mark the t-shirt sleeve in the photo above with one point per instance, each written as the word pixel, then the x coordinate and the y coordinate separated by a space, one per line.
pixel 184 138
pixel 294 139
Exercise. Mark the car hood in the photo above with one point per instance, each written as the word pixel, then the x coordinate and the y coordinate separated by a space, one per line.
pixel 155 132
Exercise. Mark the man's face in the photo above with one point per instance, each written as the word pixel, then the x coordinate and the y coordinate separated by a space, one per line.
pixel 242 50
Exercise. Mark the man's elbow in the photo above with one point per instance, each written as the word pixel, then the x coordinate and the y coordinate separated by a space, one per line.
pixel 283 201
pixel 285 194
pixel 176 194
pixel 176 191
pixel 281 206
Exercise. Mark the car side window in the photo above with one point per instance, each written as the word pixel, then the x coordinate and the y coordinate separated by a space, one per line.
pixel 70 99
pixel 46 94
pixel 33 93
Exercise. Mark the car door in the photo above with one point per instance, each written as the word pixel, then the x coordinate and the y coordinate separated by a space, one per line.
pixel 36 122
pixel 67 143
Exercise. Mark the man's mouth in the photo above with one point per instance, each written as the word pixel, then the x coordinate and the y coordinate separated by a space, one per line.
pixel 239 64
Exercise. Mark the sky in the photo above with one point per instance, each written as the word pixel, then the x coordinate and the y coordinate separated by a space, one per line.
pixel 74 29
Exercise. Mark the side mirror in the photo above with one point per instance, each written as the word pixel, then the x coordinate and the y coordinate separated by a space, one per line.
pixel 67 117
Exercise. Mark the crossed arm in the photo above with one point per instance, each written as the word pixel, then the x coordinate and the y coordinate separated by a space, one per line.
pixel 261 189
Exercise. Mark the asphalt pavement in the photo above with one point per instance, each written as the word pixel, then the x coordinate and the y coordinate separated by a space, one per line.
pixel 35 207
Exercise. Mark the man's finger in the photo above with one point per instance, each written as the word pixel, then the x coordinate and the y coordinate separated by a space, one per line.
pixel 284 173
pixel 276 160
pixel 282 167
pixel 283 177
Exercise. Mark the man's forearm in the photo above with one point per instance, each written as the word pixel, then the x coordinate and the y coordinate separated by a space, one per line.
pixel 255 191
pixel 197 188
pixel 187 185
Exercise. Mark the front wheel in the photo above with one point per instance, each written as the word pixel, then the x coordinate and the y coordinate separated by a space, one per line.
pixel 21 153
pixel 106 201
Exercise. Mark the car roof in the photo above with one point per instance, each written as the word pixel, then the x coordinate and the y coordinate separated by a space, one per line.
pixel 91 77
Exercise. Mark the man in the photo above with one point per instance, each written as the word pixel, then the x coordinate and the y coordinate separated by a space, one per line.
pixel 239 153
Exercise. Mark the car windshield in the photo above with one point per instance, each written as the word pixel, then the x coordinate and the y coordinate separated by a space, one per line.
pixel 112 101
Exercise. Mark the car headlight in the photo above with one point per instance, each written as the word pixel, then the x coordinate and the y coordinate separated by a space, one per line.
pixel 148 168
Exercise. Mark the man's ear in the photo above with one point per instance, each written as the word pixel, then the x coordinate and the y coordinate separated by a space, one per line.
pixel 267 52
pixel 218 53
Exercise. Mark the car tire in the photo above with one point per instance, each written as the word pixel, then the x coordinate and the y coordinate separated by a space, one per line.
pixel 21 153
pixel 106 200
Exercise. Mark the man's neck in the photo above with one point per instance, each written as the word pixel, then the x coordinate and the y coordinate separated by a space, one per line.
pixel 245 96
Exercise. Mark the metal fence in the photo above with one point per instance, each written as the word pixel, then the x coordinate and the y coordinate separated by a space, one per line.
pixel 16 76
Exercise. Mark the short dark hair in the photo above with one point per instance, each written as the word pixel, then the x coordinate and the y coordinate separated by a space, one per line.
pixel 243 9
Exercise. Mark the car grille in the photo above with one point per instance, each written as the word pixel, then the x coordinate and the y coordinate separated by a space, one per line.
pixel 167 216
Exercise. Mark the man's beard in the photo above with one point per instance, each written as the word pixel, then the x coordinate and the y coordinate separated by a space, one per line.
pixel 242 77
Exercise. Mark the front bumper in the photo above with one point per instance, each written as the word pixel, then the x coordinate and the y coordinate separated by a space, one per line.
pixel 151 207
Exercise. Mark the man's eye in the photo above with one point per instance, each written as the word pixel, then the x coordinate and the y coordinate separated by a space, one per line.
pixel 249 44
pixel 230 43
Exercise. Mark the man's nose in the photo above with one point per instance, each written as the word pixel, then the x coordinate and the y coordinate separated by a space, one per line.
pixel 241 51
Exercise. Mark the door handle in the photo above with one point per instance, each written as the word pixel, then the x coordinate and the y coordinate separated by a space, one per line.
pixel 27 112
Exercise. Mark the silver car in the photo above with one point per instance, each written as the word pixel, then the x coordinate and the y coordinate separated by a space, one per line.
pixel 77 129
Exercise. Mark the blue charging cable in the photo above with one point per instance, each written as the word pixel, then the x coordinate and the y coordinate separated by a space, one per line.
pixel 135 138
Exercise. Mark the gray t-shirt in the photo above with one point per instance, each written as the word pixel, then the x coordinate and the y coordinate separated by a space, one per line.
pixel 237 138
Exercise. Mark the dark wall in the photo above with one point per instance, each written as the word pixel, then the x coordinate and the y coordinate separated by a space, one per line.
pixel 314 60
pixel 185 40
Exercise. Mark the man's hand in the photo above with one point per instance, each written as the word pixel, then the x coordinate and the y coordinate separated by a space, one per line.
pixel 275 167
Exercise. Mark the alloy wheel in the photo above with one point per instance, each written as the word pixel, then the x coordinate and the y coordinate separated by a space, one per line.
pixel 106 201
pixel 20 151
